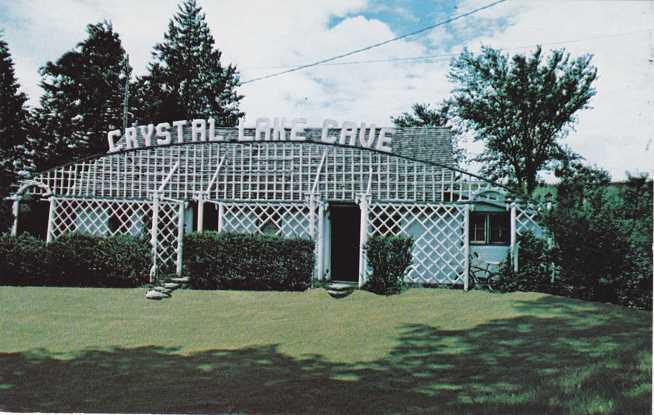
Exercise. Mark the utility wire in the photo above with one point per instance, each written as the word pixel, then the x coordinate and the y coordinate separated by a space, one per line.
pixel 431 58
pixel 376 45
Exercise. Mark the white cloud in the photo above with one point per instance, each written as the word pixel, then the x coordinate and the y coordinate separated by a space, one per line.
pixel 260 36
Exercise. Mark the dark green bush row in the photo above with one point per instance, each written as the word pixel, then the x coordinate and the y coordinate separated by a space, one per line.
pixel 389 257
pixel 75 260
pixel 247 262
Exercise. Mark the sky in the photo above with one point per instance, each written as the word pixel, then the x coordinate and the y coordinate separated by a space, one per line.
pixel 262 37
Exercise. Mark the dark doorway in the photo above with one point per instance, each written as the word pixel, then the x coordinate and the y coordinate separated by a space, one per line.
pixel 33 217
pixel 345 228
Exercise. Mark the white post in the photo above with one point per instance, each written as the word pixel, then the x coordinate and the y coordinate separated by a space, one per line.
pixel 466 247
pixel 154 236
pixel 14 210
pixel 221 215
pixel 180 238
pixel 200 213
pixel 513 248
pixel 312 217
pixel 363 240
pixel 320 240
pixel 51 213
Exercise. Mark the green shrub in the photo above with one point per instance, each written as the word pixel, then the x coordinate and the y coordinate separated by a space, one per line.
pixel 91 261
pixel 534 271
pixel 23 260
pixel 247 262
pixel 389 257
pixel 125 261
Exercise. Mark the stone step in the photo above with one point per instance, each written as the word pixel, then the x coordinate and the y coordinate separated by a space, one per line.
pixel 171 285
pixel 180 280
pixel 156 295
pixel 337 286
pixel 339 294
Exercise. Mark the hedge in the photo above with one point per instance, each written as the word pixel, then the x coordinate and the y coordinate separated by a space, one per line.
pixel 75 260
pixel 389 257
pixel 247 262
pixel 23 260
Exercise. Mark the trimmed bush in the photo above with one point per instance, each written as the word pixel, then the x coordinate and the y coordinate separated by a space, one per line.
pixel 389 257
pixel 247 262
pixel 23 260
pixel 535 268
pixel 91 261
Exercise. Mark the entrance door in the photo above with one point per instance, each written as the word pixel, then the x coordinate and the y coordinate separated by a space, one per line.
pixel 345 226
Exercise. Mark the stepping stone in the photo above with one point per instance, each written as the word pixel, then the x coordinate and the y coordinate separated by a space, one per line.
pixel 340 286
pixel 155 295
pixel 171 285
pixel 339 294
pixel 180 280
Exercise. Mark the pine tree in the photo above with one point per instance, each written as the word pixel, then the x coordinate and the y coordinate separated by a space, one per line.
pixel 13 129
pixel 82 100
pixel 186 80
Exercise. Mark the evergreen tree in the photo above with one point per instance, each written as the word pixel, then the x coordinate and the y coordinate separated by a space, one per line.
pixel 13 129
pixel 186 79
pixel 82 100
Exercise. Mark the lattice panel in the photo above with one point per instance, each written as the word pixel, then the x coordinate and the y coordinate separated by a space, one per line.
pixel 527 219
pixel 437 231
pixel 100 217
pixel 167 236
pixel 287 220
pixel 267 172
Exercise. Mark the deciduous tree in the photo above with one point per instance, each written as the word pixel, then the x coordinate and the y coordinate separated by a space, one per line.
pixel 520 107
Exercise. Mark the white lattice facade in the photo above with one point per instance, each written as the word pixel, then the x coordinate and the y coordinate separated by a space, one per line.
pixel 281 188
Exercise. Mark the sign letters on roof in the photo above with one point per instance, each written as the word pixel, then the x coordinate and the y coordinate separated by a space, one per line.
pixel 347 133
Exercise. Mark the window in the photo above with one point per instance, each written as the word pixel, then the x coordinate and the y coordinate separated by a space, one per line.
pixel 489 228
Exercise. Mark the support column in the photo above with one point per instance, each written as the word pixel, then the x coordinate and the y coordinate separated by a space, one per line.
pixel 180 238
pixel 51 213
pixel 312 217
pixel 466 247
pixel 513 248
pixel 14 210
pixel 200 220
pixel 363 240
pixel 221 215
pixel 154 235
pixel 321 239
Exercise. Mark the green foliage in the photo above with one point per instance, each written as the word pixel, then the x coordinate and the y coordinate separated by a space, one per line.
pixel 422 115
pixel 520 107
pixel 91 261
pixel 14 119
pixel 248 262
pixel 389 257
pixel 186 79
pixel 534 271
pixel 82 100
pixel 23 260
pixel 602 238
pixel 75 260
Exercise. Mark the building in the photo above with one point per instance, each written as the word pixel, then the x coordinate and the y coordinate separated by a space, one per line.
pixel 339 185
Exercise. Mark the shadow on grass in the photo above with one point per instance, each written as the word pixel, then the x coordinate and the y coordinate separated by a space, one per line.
pixel 562 358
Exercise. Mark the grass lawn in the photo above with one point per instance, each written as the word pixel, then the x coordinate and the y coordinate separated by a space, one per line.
pixel 427 350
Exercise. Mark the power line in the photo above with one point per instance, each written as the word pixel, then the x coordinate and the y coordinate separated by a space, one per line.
pixel 431 58
pixel 376 45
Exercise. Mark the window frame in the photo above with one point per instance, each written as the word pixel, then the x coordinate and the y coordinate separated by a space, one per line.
pixel 487 229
